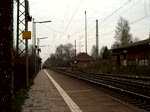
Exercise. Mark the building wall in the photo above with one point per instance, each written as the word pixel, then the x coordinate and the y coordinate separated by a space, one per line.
pixel 83 64
pixel 134 56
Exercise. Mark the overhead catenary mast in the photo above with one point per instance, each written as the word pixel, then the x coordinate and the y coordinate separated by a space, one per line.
pixel 97 39
pixel 75 47
pixel 23 18
pixel 85 34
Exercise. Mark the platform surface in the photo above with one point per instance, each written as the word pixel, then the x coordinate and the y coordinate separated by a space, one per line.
pixel 54 92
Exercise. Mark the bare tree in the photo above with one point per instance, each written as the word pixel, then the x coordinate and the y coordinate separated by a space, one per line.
pixel 68 48
pixel 93 52
pixel 101 51
pixel 104 53
pixel 135 39
pixel 62 55
pixel 122 35
pixel 60 52
pixel 115 45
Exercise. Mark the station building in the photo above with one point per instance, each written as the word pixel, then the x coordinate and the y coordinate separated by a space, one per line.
pixel 135 54
pixel 82 60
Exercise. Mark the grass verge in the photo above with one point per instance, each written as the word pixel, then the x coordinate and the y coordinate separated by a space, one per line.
pixel 21 95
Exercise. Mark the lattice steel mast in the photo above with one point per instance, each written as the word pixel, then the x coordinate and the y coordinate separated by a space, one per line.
pixel 22 22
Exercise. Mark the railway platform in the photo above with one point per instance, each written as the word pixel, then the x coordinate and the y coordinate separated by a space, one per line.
pixel 54 92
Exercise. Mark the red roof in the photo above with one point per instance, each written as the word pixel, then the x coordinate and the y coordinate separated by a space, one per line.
pixel 83 57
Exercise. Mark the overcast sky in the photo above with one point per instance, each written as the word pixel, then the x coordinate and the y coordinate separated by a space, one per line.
pixel 68 21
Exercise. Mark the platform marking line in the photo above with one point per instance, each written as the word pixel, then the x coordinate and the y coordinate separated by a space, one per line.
pixel 71 104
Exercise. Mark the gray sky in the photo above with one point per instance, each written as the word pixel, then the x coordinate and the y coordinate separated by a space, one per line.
pixel 68 21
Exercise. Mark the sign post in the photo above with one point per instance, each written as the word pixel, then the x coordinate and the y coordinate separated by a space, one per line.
pixel 26 35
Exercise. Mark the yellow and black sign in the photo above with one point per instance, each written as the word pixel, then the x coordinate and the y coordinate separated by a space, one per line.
pixel 26 34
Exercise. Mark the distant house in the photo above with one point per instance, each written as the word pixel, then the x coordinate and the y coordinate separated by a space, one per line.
pixel 132 55
pixel 82 60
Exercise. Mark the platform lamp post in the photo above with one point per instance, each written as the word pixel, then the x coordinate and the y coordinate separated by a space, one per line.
pixel 34 37
pixel 38 49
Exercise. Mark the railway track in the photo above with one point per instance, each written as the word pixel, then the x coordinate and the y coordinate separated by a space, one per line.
pixel 132 89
